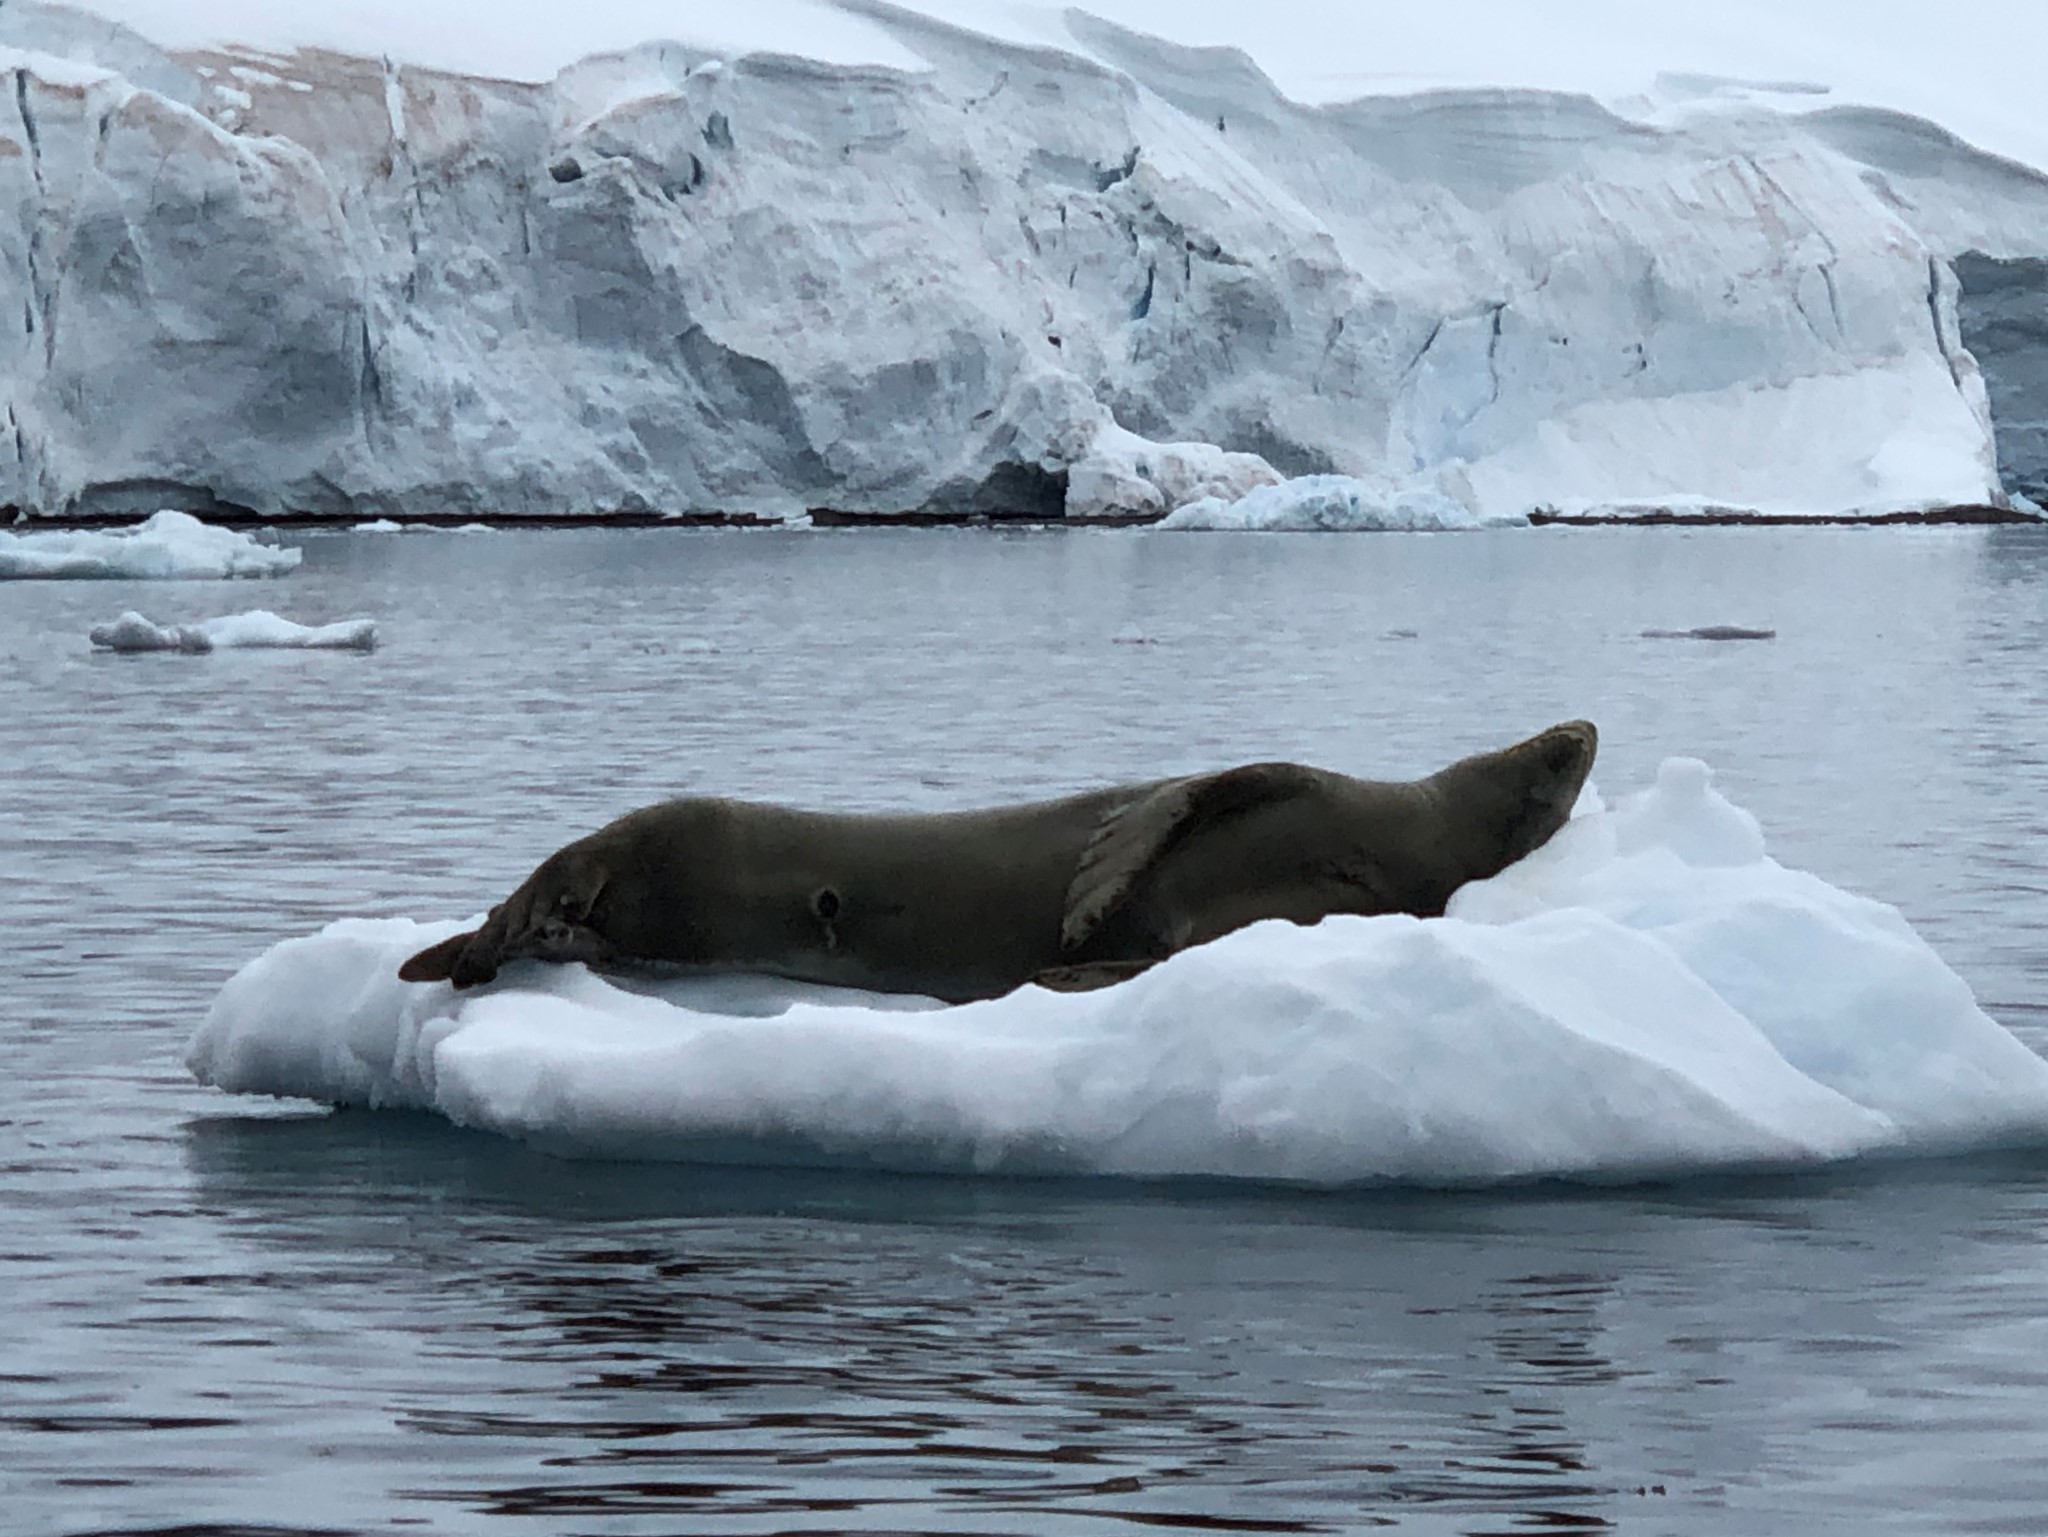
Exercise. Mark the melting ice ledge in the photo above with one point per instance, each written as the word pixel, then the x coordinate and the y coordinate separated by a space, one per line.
pixel 1648 994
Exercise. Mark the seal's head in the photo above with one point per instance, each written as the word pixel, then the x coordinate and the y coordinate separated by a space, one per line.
pixel 1517 797
pixel 554 916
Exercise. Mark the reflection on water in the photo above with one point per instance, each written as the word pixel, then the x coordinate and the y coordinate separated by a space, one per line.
pixel 224 1314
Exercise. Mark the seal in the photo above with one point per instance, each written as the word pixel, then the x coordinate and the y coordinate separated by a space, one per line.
pixel 1072 893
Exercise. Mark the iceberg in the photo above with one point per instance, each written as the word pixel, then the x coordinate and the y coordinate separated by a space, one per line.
pixel 1649 994
pixel 844 257
pixel 257 629
pixel 168 545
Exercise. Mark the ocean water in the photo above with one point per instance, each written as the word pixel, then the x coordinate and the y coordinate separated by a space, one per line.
pixel 244 1315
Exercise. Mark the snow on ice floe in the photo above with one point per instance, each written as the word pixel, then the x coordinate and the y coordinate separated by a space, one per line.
pixel 168 545
pixel 258 628
pixel 1332 504
pixel 1648 994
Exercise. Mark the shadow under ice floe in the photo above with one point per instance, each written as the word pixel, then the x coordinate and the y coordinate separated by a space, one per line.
pixel 1649 994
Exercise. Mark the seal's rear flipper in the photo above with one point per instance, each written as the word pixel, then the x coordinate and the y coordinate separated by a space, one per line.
pixel 436 963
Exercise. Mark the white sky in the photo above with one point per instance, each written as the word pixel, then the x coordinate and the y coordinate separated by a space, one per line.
pixel 1972 65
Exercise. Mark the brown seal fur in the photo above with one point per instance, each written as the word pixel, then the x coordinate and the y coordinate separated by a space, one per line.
pixel 1075 892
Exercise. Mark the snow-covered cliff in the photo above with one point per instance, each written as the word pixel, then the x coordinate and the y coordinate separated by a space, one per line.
pixel 945 272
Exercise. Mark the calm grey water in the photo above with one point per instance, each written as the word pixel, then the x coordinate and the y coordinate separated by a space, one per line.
pixel 219 1314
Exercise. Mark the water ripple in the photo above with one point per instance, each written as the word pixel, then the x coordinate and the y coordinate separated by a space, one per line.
pixel 271 1321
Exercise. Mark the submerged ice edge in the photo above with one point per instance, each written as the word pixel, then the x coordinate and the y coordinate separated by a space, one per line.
pixel 1648 994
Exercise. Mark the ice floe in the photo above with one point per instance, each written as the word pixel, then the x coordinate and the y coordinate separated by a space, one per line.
pixel 169 544
pixel 391 526
pixel 1332 504
pixel 258 628
pixel 1648 994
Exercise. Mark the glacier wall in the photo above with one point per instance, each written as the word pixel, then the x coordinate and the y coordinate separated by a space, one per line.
pixel 1019 280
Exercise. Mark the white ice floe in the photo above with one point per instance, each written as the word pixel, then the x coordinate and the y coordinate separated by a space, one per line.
pixel 170 544
pixel 1333 504
pixel 390 526
pixel 1650 993
pixel 259 628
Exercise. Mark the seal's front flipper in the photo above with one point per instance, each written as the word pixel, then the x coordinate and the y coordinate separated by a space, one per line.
pixel 1090 976
pixel 1137 835
pixel 436 963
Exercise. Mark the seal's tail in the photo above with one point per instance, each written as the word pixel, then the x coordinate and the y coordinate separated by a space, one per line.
pixel 436 963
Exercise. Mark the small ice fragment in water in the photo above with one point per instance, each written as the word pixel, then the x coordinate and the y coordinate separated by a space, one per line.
pixel 391 526
pixel 259 628
pixel 133 632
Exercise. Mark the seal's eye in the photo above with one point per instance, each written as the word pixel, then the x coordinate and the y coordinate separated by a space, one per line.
pixel 825 903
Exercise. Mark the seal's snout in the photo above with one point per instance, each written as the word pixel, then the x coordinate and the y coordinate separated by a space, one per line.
pixel 1553 768
pixel 1571 745
pixel 1563 755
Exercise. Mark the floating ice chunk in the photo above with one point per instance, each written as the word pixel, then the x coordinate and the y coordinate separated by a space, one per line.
pixel 389 526
pixel 1332 504
pixel 257 628
pixel 133 632
pixel 170 544
pixel 1648 993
